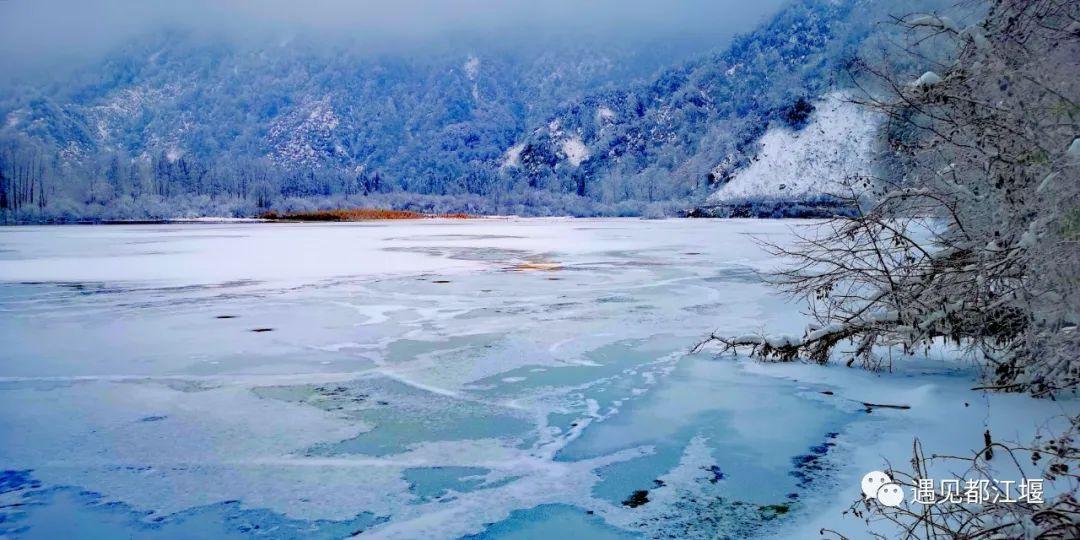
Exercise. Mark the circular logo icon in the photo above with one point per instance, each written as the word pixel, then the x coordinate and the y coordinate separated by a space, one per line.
pixel 872 481
pixel 890 494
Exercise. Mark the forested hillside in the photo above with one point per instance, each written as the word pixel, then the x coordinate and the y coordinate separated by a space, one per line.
pixel 176 125
pixel 696 124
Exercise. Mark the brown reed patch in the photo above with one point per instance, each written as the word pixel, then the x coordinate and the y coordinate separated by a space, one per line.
pixel 356 214
pixel 543 266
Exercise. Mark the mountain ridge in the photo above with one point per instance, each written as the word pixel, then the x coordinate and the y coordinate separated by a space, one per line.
pixel 569 132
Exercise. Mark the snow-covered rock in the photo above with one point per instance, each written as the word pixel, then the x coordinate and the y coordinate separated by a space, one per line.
pixel 604 114
pixel 927 80
pixel 576 152
pixel 512 157
pixel 798 165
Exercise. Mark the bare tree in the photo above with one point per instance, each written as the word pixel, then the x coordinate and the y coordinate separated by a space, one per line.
pixel 977 243
pixel 1001 511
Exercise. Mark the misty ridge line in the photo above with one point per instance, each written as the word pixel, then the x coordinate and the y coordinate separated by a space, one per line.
pixel 59 34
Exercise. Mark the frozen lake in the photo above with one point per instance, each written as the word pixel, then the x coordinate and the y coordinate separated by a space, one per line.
pixel 427 379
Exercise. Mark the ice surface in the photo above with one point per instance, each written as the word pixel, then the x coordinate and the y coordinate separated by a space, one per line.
pixel 433 379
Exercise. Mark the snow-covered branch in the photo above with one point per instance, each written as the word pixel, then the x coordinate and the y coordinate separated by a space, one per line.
pixel 975 242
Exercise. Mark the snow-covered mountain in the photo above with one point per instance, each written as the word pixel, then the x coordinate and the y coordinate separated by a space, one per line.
pixel 583 128
pixel 309 104
pixel 694 127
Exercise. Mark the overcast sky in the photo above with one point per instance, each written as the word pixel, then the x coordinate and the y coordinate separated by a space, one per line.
pixel 48 31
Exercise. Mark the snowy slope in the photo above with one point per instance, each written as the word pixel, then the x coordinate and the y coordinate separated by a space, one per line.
pixel 799 165
pixel 663 140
